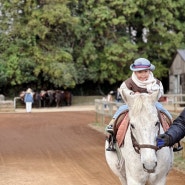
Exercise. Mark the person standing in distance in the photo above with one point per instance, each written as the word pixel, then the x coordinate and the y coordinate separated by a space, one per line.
pixel 28 99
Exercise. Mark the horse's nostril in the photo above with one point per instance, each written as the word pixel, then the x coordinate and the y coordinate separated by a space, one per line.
pixel 149 170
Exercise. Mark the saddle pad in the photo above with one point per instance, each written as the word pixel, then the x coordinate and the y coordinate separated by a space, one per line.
pixel 122 130
pixel 165 121
pixel 123 126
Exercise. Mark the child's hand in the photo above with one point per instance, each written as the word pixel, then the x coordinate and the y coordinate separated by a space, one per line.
pixel 155 87
pixel 133 93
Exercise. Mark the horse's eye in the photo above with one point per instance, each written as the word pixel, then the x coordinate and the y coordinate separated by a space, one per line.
pixel 132 125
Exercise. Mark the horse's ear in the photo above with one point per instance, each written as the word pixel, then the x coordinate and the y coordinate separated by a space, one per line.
pixel 123 95
pixel 128 98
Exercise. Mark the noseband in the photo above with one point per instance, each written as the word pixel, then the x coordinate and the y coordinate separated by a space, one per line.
pixel 137 146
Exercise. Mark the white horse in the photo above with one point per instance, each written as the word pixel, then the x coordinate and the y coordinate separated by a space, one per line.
pixel 138 161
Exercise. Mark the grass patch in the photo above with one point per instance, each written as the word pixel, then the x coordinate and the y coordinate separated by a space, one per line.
pixel 179 161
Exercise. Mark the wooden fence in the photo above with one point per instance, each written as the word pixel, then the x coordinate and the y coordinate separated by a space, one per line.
pixel 177 100
pixel 104 108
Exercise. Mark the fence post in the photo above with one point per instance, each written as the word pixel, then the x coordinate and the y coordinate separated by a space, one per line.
pixel 102 113
pixel 14 101
pixel 96 108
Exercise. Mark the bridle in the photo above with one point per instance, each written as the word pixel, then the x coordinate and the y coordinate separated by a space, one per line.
pixel 138 146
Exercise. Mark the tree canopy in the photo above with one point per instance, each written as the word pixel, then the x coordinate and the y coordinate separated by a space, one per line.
pixel 65 43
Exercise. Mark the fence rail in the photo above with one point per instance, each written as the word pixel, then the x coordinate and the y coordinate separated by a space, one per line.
pixel 176 100
pixel 105 108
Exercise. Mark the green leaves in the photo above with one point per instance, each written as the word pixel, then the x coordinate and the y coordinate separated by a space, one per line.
pixel 66 43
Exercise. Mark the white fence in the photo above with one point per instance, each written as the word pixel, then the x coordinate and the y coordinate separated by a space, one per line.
pixel 106 109
pixel 15 101
pixel 177 100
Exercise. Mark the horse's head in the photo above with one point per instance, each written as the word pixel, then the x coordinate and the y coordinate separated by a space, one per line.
pixel 21 95
pixel 144 126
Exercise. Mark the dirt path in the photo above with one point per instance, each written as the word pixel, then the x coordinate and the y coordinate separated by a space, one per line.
pixel 55 149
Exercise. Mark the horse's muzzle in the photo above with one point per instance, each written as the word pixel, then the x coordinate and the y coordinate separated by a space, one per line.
pixel 150 170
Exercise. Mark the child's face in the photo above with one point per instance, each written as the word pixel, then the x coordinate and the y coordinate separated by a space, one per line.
pixel 142 75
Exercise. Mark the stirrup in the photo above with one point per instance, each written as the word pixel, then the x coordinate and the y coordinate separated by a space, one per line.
pixel 111 141
pixel 111 148
pixel 109 129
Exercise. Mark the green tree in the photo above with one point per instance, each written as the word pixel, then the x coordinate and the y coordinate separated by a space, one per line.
pixel 37 32
pixel 66 43
pixel 119 31
pixel 104 48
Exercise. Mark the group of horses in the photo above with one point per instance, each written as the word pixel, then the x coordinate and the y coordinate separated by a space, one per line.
pixel 49 98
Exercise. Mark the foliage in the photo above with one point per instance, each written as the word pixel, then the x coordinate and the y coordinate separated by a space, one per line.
pixel 67 43
pixel 37 47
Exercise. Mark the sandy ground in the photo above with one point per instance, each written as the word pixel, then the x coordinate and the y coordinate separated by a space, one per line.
pixel 56 148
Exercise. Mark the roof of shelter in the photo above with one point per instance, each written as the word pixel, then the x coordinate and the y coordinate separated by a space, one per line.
pixel 181 53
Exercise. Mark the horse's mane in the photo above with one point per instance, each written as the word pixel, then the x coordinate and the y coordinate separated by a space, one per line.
pixel 142 104
pixel 137 106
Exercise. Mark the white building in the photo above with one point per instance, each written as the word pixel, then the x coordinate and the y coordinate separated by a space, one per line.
pixel 177 73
